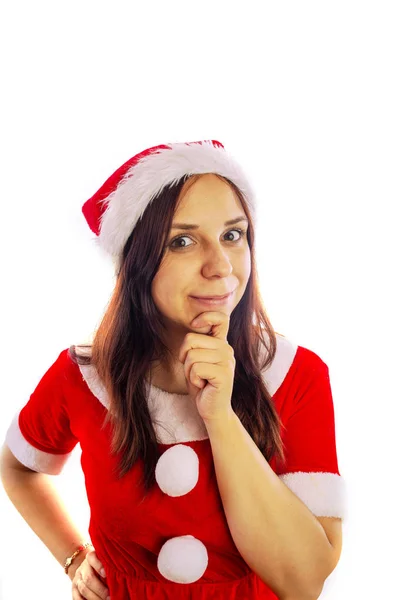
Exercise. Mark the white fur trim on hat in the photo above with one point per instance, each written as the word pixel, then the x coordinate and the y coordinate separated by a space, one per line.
pixel 144 180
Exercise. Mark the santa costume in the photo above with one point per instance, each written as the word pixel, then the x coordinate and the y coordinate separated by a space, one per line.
pixel 176 544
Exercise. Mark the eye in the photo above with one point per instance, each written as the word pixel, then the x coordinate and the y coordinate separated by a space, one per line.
pixel 241 233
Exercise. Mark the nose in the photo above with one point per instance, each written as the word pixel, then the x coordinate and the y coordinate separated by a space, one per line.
pixel 217 261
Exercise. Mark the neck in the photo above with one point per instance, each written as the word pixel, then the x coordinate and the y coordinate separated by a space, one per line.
pixel 170 377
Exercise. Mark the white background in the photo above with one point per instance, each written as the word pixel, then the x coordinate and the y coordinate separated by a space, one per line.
pixel 306 96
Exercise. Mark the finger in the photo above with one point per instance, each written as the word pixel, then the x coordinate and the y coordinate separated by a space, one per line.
pixel 194 378
pixel 218 321
pixel 199 355
pixel 202 347
pixel 200 342
pixel 215 375
pixel 83 591
pixel 94 562
pixel 90 586
pixel 75 594
pixel 197 383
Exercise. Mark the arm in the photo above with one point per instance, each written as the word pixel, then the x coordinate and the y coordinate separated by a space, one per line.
pixel 277 535
pixel 38 502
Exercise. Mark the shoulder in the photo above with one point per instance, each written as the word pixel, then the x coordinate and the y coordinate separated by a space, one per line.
pixel 64 371
pixel 291 361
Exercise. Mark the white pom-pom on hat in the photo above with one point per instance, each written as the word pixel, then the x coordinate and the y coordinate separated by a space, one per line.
pixel 183 559
pixel 177 470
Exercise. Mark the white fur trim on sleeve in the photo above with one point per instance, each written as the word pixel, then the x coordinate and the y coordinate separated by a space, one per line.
pixel 31 457
pixel 324 494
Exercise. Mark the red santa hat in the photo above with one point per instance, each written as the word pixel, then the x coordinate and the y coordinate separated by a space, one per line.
pixel 113 211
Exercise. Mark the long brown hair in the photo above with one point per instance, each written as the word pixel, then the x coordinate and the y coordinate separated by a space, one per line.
pixel 129 338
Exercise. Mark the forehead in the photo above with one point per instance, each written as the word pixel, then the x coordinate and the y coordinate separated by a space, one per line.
pixel 207 186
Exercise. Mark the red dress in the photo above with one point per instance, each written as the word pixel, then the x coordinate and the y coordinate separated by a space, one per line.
pixel 177 543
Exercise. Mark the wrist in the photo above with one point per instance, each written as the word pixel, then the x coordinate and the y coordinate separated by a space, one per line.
pixel 220 422
pixel 78 560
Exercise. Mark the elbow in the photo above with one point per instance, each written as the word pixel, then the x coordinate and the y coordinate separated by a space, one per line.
pixel 310 587
pixel 300 594
pixel 304 590
pixel 289 590
pixel 297 597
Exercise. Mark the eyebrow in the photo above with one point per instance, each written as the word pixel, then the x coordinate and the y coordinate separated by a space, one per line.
pixel 189 226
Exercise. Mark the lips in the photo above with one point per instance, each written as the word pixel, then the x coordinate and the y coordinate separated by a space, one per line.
pixel 213 297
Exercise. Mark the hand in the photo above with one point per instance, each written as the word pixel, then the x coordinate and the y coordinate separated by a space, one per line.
pixel 209 365
pixel 85 581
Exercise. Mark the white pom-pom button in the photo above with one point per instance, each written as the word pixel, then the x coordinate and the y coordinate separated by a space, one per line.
pixel 177 470
pixel 183 559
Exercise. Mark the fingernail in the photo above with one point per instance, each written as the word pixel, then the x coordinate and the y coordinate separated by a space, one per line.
pixel 102 573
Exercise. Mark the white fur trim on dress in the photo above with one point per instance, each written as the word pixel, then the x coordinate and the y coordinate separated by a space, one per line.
pixel 144 180
pixel 275 374
pixel 175 419
pixel 31 457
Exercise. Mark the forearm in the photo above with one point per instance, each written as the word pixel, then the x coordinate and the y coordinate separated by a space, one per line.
pixel 277 535
pixel 38 502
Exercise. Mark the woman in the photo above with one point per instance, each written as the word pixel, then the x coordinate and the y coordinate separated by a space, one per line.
pixel 208 440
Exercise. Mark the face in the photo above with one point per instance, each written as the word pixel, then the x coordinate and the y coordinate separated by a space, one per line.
pixel 212 259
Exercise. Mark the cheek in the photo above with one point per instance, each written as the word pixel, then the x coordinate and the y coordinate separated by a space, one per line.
pixel 247 262
pixel 241 264
pixel 167 290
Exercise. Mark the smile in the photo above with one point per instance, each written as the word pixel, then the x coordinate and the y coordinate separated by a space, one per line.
pixel 213 301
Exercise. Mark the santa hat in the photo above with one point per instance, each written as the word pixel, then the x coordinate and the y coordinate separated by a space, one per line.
pixel 113 211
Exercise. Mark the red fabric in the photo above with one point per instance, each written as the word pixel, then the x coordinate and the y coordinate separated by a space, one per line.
pixel 128 534
pixel 306 408
pixel 93 208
